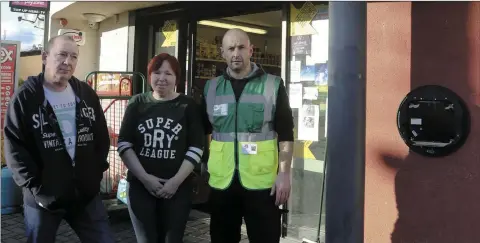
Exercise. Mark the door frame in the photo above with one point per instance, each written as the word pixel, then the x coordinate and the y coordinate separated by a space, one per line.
pixel 145 28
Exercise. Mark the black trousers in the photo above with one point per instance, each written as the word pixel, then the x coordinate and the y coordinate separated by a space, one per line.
pixel 229 206
pixel 159 220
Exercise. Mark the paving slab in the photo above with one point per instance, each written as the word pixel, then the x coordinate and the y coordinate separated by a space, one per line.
pixel 197 231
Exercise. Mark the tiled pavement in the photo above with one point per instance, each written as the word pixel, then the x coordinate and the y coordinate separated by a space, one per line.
pixel 12 229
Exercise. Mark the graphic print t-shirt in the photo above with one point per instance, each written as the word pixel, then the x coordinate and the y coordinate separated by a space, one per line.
pixel 161 132
pixel 63 104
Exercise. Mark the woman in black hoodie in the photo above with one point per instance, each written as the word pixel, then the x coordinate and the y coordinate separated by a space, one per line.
pixel 161 140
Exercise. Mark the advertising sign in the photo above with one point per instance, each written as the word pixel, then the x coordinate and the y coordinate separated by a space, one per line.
pixel 301 45
pixel 77 35
pixel 112 84
pixel 169 30
pixel 32 7
pixel 9 61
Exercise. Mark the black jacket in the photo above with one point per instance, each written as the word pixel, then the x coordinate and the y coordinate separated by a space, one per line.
pixel 35 151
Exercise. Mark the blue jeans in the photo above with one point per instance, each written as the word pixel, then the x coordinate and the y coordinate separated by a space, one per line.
pixel 91 225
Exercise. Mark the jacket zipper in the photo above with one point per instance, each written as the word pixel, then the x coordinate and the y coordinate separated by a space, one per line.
pixel 236 137
pixel 56 127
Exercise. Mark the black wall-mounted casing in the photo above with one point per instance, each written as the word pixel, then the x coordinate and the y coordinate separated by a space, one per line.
pixel 433 121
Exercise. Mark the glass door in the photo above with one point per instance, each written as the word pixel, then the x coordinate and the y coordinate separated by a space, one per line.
pixel 306 38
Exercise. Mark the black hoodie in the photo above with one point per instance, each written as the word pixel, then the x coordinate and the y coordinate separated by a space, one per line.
pixel 35 150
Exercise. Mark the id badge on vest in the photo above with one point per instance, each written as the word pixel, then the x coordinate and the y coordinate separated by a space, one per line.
pixel 220 110
pixel 249 148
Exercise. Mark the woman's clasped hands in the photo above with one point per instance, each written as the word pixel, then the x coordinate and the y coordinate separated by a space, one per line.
pixel 160 188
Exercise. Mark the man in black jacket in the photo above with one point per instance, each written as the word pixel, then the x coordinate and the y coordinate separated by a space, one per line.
pixel 56 144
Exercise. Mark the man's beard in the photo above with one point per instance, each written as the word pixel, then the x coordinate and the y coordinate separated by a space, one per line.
pixel 237 68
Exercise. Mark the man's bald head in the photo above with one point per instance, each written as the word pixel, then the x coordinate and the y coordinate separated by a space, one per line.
pixel 237 50
pixel 236 33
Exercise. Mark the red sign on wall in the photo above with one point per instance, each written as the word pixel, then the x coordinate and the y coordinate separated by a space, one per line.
pixel 8 62
pixel 30 4
pixel 32 7
pixel 9 55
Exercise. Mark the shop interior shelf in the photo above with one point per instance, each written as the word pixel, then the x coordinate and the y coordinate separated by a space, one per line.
pixel 222 61
pixel 203 77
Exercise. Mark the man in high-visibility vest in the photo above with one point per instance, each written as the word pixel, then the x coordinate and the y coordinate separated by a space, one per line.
pixel 248 115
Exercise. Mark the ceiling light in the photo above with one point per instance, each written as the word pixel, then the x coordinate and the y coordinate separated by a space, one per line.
pixel 232 26
pixel 94 18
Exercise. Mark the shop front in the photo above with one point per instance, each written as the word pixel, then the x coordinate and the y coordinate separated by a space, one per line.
pixel 290 40
pixel 379 190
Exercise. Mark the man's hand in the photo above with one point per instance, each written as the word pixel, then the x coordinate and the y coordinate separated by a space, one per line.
pixel 169 188
pixel 281 188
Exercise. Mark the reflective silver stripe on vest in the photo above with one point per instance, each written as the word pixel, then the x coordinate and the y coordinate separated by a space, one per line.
pixel 225 99
pixel 268 99
pixel 244 137
pixel 211 97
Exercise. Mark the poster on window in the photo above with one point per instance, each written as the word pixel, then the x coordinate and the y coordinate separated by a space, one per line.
pixel 321 74
pixel 308 123
pixel 301 45
pixel 310 93
pixel 169 31
pixel 307 73
pixel 295 71
pixel 9 61
pixel 295 95
pixel 301 19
